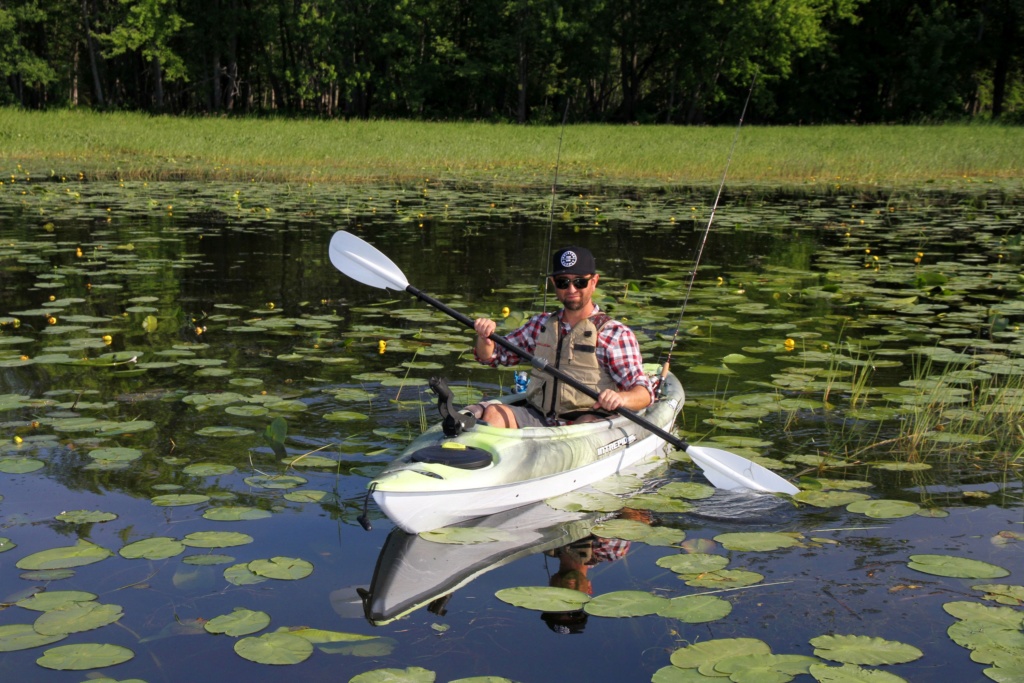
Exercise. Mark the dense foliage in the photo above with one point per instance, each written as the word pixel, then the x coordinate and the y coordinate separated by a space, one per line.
pixel 648 61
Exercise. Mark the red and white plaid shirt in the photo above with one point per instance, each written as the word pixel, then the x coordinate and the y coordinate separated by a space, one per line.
pixel 617 350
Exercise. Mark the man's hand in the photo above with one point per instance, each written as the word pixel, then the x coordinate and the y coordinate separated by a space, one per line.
pixel 484 327
pixel 609 400
pixel 634 399
pixel 484 347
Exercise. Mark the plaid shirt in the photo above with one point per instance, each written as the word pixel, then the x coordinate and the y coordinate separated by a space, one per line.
pixel 617 350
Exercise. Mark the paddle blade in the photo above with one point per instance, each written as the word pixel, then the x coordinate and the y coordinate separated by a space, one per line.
pixel 729 471
pixel 360 261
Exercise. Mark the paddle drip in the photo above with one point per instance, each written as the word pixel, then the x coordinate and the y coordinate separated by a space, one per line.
pixel 707 230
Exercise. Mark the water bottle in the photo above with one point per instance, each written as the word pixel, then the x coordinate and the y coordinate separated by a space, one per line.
pixel 522 379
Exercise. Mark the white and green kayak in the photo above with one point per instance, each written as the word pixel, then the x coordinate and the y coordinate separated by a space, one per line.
pixel 441 480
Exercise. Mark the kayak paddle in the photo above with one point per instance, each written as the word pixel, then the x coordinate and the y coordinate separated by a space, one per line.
pixel 362 262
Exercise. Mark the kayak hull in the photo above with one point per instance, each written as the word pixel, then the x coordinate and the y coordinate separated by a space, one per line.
pixel 525 465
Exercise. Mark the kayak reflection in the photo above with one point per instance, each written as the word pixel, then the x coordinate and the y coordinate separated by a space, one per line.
pixel 413 572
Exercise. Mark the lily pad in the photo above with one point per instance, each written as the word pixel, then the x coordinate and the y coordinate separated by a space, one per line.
pixel 20 465
pixel 1004 617
pixel 156 548
pixel 208 469
pixel 757 541
pixel 285 568
pixel 240 622
pixel 206 560
pixel 178 499
pixel 345 416
pixel 828 499
pixel 851 673
pixel 84 656
pixel 274 648
pixel 78 555
pixel 216 539
pixel 696 609
pixel 955 567
pixel 690 490
pixel 311 496
pixel 275 481
pixel 77 617
pixel 241 575
pixel 852 649
pixel 115 454
pixel 47 600
pixel 704 655
pixel 1002 593
pixel 723 578
pixel 627 603
pixel 694 563
pixel 236 514
pixel 412 674
pixel 224 432
pixel 884 508
pixel 656 502
pixel 633 530
pixel 15 637
pixel 544 598
pixel 466 535
pixel 85 516
pixel 580 501
pixel 765 668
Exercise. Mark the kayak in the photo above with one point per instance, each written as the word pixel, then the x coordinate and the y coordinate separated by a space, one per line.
pixel 440 480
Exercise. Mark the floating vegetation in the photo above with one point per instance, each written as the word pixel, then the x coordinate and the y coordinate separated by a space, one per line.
pixel 166 377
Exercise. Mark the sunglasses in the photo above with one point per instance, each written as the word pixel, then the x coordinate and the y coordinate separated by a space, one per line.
pixel 577 282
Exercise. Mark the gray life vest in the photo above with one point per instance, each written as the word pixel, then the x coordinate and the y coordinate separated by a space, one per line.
pixel 574 354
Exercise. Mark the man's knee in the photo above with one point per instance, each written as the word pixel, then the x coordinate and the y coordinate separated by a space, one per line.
pixel 499 416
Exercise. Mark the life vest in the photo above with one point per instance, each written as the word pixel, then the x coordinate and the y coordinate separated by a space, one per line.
pixel 574 354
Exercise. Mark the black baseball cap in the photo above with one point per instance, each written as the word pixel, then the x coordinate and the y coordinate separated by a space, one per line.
pixel 573 260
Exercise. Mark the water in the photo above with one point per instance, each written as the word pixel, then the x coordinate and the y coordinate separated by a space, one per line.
pixel 252 323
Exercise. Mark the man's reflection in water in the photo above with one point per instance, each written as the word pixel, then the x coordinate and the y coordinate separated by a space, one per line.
pixel 575 560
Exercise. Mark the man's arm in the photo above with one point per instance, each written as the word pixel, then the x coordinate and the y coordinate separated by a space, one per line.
pixel 637 398
pixel 489 353
pixel 619 351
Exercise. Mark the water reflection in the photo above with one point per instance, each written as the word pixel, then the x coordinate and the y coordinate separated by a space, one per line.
pixel 286 333
pixel 413 572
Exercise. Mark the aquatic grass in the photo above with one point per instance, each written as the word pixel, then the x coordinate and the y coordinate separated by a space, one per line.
pixel 948 418
pixel 117 145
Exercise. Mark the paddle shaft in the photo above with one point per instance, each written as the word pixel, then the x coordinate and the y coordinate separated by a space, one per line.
pixel 544 366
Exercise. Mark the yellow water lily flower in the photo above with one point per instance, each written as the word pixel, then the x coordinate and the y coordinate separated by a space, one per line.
pixel 505 312
pixel 789 344
pixel 382 346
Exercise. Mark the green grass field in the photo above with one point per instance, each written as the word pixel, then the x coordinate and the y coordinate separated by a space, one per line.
pixel 137 146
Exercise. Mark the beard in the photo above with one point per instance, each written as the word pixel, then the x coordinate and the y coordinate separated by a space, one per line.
pixel 577 304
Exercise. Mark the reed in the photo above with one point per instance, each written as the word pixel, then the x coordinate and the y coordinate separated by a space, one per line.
pixel 74 143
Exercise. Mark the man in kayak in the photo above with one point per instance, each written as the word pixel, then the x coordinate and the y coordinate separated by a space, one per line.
pixel 586 344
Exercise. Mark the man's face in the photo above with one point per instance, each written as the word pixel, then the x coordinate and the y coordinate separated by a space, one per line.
pixel 575 291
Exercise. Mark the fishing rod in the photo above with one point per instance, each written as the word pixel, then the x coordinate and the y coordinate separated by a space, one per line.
pixel 704 239
pixel 551 205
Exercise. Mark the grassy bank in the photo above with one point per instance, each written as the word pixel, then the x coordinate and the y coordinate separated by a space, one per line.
pixel 136 146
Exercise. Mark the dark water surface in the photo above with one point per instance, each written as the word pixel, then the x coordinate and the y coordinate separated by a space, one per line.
pixel 808 313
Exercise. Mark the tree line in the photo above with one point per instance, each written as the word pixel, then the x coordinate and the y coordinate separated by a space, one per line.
pixel 644 61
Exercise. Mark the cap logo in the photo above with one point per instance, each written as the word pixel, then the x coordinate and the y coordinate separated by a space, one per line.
pixel 568 259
